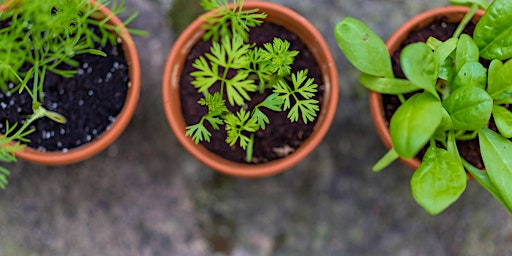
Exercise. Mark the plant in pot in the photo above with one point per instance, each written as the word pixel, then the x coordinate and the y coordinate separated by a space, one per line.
pixel 69 80
pixel 250 88
pixel 453 91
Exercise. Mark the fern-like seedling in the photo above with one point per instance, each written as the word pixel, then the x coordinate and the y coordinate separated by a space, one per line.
pixel 230 22
pixel 37 37
pixel 233 70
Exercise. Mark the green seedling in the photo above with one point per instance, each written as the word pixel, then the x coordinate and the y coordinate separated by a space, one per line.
pixel 37 38
pixel 456 96
pixel 256 69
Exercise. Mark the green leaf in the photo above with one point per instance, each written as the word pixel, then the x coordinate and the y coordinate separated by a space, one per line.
pixel 470 108
pixel 414 123
pixel 503 118
pixel 306 108
pixel 439 181
pixel 467 51
pixel 236 127
pixel 471 74
pixel 273 102
pixel 238 89
pixel 303 91
pixel 261 119
pixel 419 65
pixel 500 76
pixel 205 76
pixel 446 70
pixel 279 56
pixel 443 51
pixel 363 48
pixel 386 85
pixel 482 177
pixel 198 133
pixel 214 121
pixel 215 103
pixel 493 33
pixel 493 74
pixel 386 160
pixel 497 155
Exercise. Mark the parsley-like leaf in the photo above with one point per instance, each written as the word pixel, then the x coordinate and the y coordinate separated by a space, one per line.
pixel 279 56
pixel 303 91
pixel 229 22
pixel 198 132
pixel 236 127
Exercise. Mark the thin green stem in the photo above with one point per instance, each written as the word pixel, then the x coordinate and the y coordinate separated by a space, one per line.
pixel 465 21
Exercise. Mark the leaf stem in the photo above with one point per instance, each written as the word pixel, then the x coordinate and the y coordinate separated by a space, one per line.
pixel 465 21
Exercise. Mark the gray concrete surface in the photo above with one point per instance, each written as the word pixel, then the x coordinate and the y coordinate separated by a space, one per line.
pixel 145 195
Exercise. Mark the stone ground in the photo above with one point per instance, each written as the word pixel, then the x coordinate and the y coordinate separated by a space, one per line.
pixel 145 195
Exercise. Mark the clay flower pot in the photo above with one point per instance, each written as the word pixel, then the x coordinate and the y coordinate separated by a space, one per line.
pixel 172 103
pixel 104 140
pixel 452 14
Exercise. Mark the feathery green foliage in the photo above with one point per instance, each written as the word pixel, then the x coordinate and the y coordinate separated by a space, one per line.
pixel 37 37
pixel 240 69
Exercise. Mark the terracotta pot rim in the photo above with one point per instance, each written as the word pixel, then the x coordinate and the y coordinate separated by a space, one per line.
pixel 392 44
pixel 171 103
pixel 85 151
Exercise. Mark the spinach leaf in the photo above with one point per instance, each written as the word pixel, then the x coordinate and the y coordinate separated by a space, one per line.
pixel 387 85
pixel 482 177
pixel 500 75
pixel 467 51
pixel 493 33
pixel 363 48
pixel 420 67
pixel 497 156
pixel 472 73
pixel 439 181
pixel 492 75
pixel 503 118
pixel 414 123
pixel 470 108
pixel 442 55
pixel 386 160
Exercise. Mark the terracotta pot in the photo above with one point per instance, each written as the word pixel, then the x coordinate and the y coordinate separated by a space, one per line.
pixel 171 97
pixel 453 14
pixel 104 140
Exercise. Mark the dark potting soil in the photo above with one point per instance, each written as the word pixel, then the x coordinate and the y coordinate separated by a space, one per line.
pixel 281 137
pixel 442 30
pixel 90 101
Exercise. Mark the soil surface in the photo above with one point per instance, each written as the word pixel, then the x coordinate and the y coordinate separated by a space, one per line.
pixel 281 137
pixel 90 101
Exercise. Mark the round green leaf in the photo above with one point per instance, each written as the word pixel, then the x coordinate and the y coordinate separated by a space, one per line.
pixel 493 33
pixel 472 73
pixel 363 48
pixel 414 123
pixel 470 108
pixel 439 181
pixel 419 66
